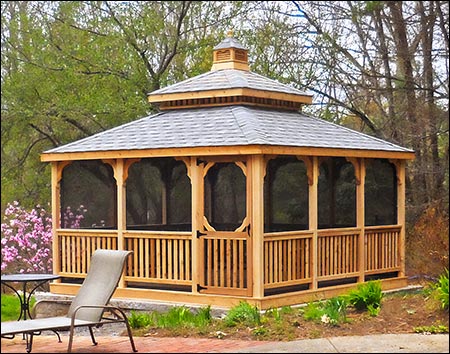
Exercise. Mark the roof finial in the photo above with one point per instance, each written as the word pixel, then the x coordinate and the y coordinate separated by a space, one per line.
pixel 230 33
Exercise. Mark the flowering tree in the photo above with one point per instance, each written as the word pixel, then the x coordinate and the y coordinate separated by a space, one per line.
pixel 72 220
pixel 26 240
pixel 27 237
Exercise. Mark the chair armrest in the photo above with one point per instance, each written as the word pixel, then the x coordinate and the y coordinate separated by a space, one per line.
pixel 114 309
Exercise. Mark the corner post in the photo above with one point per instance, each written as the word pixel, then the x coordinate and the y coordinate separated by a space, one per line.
pixel 360 216
pixel 257 222
pixel 313 218
pixel 197 217
pixel 119 173
pixel 401 201
pixel 56 208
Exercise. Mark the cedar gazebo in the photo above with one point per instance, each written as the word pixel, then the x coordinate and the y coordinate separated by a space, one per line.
pixel 230 193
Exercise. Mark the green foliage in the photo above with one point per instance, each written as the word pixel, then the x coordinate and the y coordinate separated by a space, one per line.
pixel 276 313
pixel 433 329
pixel 244 314
pixel 11 307
pixel 140 319
pixel 176 317
pixel 332 311
pixel 367 296
pixel 91 70
pixel 440 289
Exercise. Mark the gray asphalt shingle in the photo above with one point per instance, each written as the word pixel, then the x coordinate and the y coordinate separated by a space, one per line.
pixel 227 126
pixel 228 79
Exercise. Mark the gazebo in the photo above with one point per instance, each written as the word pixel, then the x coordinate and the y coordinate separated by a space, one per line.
pixel 230 193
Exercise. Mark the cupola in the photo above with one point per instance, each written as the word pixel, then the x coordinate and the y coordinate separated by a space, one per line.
pixel 230 82
pixel 230 54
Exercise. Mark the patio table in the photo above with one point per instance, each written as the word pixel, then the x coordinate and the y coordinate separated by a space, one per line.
pixel 40 279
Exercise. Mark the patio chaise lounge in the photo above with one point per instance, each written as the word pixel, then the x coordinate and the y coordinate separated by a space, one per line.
pixel 89 306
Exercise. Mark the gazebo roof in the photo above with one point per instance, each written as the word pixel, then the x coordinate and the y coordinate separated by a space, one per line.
pixel 228 106
pixel 227 126
pixel 227 79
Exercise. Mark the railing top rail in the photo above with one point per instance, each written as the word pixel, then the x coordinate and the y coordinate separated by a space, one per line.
pixel 157 233
pixel 86 232
pixel 383 227
pixel 338 231
pixel 288 233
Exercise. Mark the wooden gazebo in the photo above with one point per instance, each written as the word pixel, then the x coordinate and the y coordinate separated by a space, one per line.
pixel 231 193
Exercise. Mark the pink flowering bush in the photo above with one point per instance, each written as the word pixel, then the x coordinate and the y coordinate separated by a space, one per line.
pixel 72 220
pixel 26 240
pixel 27 237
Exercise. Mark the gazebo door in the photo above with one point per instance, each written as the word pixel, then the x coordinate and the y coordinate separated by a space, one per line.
pixel 224 240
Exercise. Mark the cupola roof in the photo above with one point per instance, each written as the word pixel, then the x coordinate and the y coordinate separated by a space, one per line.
pixel 230 82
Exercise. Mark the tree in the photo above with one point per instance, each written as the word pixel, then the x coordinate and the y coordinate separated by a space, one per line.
pixel 72 69
pixel 385 65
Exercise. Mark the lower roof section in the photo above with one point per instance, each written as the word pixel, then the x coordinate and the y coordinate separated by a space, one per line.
pixel 225 151
pixel 231 130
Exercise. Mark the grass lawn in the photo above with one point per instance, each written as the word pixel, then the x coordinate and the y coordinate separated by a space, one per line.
pixel 11 307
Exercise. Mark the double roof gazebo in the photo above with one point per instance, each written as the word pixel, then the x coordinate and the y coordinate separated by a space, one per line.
pixel 231 194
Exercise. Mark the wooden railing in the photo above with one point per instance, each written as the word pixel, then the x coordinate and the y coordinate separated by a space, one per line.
pixel 159 257
pixel 382 249
pixel 76 248
pixel 287 258
pixel 225 257
pixel 337 253
pixel 166 257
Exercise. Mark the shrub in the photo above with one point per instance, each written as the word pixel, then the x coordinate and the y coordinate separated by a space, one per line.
pixel 440 289
pixel 332 311
pixel 367 296
pixel 27 237
pixel 427 248
pixel 26 240
pixel 244 314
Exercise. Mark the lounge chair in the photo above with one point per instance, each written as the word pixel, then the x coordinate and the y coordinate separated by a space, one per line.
pixel 89 306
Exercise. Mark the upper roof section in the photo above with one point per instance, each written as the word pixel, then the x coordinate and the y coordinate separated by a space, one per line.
pixel 230 82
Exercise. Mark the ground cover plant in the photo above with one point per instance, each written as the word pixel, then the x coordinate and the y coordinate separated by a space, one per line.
pixel 11 307
pixel 365 310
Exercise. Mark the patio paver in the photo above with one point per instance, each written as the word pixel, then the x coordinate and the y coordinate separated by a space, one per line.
pixel 121 344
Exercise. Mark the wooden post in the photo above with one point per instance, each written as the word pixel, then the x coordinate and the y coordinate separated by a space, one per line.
pixel 313 217
pixel 257 223
pixel 197 217
pixel 360 216
pixel 56 215
pixel 119 173
pixel 401 192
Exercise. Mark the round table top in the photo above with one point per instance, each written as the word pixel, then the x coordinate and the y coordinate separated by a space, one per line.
pixel 28 277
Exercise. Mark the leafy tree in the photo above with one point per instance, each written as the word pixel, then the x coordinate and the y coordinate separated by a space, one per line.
pixel 73 69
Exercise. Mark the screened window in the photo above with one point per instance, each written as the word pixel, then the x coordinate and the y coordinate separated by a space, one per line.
pixel 380 193
pixel 88 195
pixel 225 196
pixel 158 195
pixel 286 195
pixel 337 194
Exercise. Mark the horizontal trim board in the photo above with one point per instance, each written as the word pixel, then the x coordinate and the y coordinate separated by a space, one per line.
pixel 226 150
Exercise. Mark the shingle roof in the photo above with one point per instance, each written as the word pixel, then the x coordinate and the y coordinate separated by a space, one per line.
pixel 228 79
pixel 227 126
pixel 229 42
